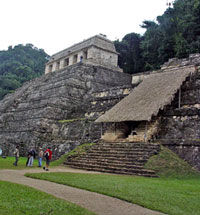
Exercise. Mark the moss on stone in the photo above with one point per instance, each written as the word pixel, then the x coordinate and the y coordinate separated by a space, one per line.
pixel 75 152
pixel 168 164
pixel 71 120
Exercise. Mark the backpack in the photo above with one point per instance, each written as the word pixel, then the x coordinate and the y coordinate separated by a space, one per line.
pixel 47 155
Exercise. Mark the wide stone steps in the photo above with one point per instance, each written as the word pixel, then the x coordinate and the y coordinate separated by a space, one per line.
pixel 115 170
pixel 118 158
pixel 122 150
pixel 130 146
pixel 119 153
pixel 126 149
pixel 111 160
pixel 99 163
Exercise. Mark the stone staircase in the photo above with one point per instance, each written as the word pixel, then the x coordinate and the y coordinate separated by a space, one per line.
pixel 118 158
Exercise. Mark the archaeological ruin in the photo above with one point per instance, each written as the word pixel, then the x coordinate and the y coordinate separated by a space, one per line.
pixel 97 50
pixel 84 97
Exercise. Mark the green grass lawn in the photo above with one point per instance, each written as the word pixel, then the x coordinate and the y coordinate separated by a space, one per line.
pixel 168 195
pixel 176 191
pixel 18 200
pixel 7 163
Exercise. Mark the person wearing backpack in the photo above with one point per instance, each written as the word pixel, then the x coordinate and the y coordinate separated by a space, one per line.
pixel 31 158
pixel 48 156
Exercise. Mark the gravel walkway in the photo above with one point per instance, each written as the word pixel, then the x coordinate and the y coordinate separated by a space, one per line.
pixel 100 204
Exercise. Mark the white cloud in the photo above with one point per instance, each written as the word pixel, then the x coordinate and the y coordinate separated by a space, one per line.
pixel 56 24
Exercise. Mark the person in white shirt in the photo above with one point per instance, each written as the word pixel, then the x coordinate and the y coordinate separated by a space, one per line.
pixel 16 153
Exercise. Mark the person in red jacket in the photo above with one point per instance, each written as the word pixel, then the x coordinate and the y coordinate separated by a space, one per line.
pixel 48 156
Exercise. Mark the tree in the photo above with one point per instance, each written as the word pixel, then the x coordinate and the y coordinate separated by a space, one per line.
pixel 130 59
pixel 19 64
pixel 175 34
pixel 150 45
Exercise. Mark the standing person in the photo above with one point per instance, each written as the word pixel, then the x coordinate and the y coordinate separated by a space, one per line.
pixel 16 153
pixel 48 156
pixel 81 58
pixel 31 159
pixel 28 157
pixel 41 153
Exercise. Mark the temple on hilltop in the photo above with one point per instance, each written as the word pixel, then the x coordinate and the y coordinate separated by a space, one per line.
pixel 97 50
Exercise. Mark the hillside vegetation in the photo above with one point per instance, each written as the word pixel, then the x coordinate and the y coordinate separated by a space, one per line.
pixel 176 33
pixel 19 64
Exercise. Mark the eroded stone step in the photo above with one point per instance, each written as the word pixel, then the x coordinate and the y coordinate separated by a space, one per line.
pixel 116 156
pixel 135 161
pixel 104 164
pixel 120 153
pixel 134 144
pixel 126 148
pixel 121 162
pixel 146 173
pixel 122 149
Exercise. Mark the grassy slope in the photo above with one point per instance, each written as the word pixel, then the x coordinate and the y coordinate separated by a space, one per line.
pixel 78 150
pixel 177 191
pixel 18 200
pixel 168 164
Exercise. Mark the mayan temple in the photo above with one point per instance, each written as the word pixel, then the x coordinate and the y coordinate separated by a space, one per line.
pixel 84 97
pixel 60 107
pixel 97 50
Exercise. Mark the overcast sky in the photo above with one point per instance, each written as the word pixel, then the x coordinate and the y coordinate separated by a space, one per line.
pixel 54 25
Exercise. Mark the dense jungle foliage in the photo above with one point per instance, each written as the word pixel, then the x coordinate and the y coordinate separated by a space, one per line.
pixel 19 64
pixel 175 34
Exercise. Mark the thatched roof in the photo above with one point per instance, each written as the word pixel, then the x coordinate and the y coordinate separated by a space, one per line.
pixel 152 94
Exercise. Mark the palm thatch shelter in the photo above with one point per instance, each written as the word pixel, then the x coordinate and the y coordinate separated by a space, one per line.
pixel 154 92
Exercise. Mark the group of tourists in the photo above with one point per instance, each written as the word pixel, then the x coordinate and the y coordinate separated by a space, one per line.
pixel 32 155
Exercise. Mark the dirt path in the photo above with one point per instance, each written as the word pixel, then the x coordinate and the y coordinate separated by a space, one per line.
pixel 100 204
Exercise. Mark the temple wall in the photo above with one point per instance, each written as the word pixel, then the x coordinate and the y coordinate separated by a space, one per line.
pixel 180 128
pixel 102 57
pixel 59 109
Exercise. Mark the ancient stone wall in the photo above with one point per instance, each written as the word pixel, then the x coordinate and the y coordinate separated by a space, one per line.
pixel 59 109
pixel 180 127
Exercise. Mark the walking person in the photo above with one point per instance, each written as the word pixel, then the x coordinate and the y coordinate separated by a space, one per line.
pixel 31 158
pixel 48 156
pixel 16 153
pixel 40 156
